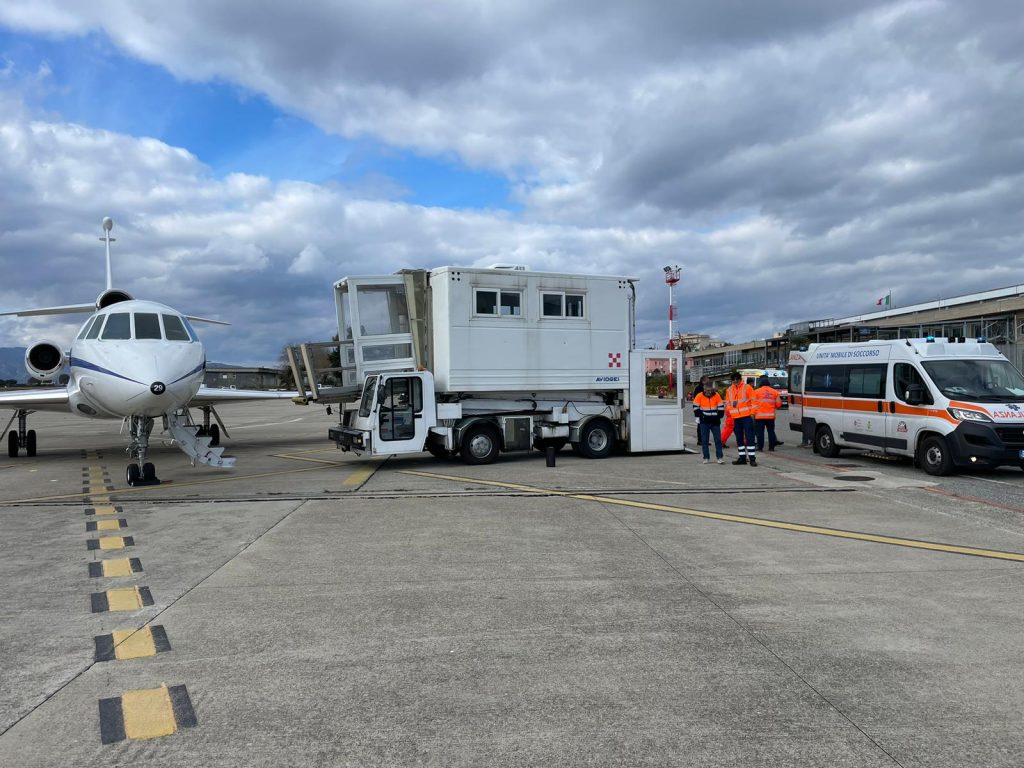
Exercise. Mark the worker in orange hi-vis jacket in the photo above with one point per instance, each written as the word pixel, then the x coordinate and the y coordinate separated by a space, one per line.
pixel 740 404
pixel 768 400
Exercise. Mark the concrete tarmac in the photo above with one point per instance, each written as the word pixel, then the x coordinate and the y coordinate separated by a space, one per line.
pixel 314 608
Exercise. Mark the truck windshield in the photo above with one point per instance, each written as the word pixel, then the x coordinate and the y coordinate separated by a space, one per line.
pixel 778 382
pixel 369 389
pixel 981 380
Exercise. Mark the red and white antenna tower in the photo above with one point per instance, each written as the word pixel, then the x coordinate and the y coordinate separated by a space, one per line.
pixel 671 278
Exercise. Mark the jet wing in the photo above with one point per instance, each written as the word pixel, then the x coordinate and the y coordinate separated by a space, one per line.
pixel 37 399
pixel 217 396
pixel 70 309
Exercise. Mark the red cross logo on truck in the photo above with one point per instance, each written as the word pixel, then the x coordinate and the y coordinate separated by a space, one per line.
pixel 614 359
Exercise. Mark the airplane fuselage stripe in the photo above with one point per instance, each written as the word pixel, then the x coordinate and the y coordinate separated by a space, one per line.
pixel 77 362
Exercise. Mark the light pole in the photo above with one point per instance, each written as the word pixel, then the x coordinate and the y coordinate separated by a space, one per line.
pixel 671 278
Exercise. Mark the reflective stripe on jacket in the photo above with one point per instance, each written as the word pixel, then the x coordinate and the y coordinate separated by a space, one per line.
pixel 708 410
pixel 767 400
pixel 739 400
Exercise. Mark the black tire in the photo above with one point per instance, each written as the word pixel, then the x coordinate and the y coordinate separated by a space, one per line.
pixel 825 443
pixel 214 435
pixel 597 439
pixel 438 451
pixel 933 456
pixel 479 444
pixel 133 474
pixel 148 472
pixel 12 444
pixel 30 443
pixel 200 431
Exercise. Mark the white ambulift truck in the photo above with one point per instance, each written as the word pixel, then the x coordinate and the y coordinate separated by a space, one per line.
pixel 472 362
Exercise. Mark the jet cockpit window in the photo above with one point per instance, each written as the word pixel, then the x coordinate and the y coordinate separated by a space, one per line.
pixel 175 329
pixel 94 330
pixel 85 328
pixel 119 326
pixel 147 326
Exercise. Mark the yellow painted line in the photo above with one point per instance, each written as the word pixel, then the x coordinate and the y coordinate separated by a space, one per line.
pixel 108 525
pixel 101 500
pixel 111 542
pixel 133 643
pixel 106 509
pixel 120 567
pixel 362 474
pixel 127 599
pixel 296 457
pixel 148 713
pixel 744 520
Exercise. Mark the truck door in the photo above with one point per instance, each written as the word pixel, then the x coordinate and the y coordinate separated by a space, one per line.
pixel 796 399
pixel 405 412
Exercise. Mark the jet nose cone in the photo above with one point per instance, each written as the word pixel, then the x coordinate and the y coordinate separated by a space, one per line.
pixel 157 387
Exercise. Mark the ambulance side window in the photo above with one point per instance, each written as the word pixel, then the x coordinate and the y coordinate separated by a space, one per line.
pixel 826 378
pixel 904 377
pixel 866 381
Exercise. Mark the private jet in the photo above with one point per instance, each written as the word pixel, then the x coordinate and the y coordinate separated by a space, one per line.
pixel 133 360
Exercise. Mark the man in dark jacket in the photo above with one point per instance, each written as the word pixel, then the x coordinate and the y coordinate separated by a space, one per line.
pixel 708 410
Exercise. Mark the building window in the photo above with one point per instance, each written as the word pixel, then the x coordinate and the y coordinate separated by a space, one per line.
pixel 558 304
pixel 494 303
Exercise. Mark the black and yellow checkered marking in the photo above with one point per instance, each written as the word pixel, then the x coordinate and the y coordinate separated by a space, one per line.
pixel 124 644
pixel 146 714
pixel 110 542
pixel 104 509
pixel 111 568
pixel 105 525
pixel 127 599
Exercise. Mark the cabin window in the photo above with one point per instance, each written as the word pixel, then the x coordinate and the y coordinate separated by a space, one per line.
pixel 559 304
pixel 866 381
pixel 175 329
pixel 498 303
pixel 826 378
pixel 119 326
pixel 147 326
pixel 85 328
pixel 94 331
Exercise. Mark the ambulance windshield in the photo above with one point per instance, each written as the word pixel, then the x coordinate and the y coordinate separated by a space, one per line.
pixel 980 380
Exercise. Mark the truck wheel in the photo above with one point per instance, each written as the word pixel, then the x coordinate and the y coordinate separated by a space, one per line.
pixel 479 445
pixel 596 440
pixel 934 456
pixel 825 443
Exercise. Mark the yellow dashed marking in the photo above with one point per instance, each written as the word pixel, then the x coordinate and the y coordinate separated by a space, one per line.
pixel 106 509
pixel 96 500
pixel 108 525
pixel 744 520
pixel 121 567
pixel 111 542
pixel 124 599
pixel 133 644
pixel 148 713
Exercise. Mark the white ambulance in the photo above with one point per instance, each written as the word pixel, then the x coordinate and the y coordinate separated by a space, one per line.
pixel 776 380
pixel 944 402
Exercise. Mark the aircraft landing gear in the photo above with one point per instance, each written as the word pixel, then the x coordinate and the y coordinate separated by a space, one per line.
pixel 140 471
pixel 210 430
pixel 22 438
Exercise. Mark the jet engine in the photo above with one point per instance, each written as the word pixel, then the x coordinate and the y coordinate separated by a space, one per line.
pixel 111 296
pixel 44 360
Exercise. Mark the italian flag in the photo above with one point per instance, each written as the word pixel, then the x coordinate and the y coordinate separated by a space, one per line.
pixel 885 301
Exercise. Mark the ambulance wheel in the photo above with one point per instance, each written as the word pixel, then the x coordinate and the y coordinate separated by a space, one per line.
pixel 214 434
pixel 934 456
pixel 30 443
pixel 12 444
pixel 597 438
pixel 825 443
pixel 133 474
pixel 479 445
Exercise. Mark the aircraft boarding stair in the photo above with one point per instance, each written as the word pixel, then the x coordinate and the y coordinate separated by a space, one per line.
pixel 197 447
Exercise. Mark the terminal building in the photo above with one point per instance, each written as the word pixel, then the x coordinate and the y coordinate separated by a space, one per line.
pixel 242 378
pixel 997 315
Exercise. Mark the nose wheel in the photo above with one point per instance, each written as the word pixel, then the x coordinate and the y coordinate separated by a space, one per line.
pixel 140 471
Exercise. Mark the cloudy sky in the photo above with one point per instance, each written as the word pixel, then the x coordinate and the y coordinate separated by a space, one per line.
pixel 798 158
